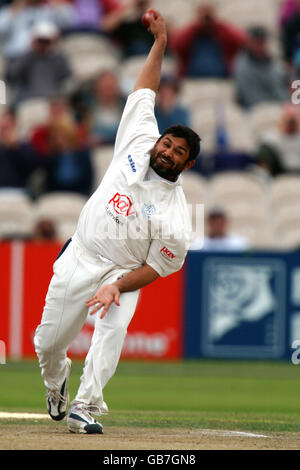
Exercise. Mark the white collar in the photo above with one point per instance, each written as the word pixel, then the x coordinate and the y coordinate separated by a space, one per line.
pixel 152 175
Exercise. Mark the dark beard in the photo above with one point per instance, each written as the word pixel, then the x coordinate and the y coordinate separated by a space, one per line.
pixel 166 172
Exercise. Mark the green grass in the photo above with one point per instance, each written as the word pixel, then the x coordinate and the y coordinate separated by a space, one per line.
pixel 256 396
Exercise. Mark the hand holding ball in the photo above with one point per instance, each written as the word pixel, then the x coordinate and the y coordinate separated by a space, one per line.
pixel 145 18
pixel 155 24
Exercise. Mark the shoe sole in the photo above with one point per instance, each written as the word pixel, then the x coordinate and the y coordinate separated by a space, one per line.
pixel 88 429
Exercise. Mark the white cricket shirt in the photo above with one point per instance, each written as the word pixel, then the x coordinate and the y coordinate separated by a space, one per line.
pixel 135 216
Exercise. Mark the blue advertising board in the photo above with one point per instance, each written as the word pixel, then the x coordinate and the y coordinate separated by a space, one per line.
pixel 242 305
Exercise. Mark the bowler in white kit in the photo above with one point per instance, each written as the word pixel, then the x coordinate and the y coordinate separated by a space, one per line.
pixel 134 229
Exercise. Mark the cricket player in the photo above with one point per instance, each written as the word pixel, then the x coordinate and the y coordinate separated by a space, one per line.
pixel 134 229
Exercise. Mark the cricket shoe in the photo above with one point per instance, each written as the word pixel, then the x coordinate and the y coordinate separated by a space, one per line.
pixel 80 420
pixel 58 400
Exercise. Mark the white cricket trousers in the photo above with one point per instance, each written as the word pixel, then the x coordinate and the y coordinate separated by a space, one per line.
pixel 77 276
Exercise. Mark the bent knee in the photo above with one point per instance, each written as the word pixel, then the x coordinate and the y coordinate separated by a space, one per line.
pixel 43 340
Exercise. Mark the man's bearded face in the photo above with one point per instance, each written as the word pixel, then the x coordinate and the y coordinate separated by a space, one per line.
pixel 169 157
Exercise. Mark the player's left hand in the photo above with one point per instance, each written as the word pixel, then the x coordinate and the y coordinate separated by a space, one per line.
pixel 103 298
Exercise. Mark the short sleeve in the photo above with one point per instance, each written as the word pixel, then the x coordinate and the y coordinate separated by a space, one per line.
pixel 138 129
pixel 167 256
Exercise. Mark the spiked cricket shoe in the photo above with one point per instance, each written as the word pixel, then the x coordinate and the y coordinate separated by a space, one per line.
pixel 58 400
pixel 80 420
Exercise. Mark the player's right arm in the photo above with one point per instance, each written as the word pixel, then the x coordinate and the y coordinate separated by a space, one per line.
pixel 149 76
pixel 138 127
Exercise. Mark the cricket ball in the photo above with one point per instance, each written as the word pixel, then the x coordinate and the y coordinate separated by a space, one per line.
pixel 145 18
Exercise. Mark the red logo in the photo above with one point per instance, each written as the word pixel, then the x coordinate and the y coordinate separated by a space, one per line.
pixel 122 204
pixel 167 253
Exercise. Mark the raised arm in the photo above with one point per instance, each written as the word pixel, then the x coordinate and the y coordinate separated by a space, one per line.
pixel 149 76
pixel 138 127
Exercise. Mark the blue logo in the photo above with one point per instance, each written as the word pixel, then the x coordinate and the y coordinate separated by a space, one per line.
pixel 132 164
pixel 148 210
pixel 244 307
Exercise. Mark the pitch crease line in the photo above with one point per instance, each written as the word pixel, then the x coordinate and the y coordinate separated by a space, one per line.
pixel 8 415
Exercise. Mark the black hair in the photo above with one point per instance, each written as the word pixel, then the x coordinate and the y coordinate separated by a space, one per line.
pixel 217 211
pixel 192 139
pixel 258 32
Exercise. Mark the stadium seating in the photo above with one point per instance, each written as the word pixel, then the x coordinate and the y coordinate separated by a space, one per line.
pixel 267 215
pixel 87 67
pixel 203 119
pixel 63 208
pixel 177 12
pixel 290 240
pixel 234 187
pixel 60 205
pixel 30 114
pixel 101 158
pixel 65 230
pixel 130 68
pixel 2 67
pixel 246 202
pixel 258 236
pixel 203 92
pixel 287 229
pixel 252 222
pixel 283 211
pixel 249 13
pixel 16 214
pixel 82 43
pixel 89 55
pixel 263 117
pixel 285 191
pixel 195 190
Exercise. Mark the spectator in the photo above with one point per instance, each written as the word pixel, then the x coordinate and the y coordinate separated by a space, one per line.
pixel 279 149
pixel 287 9
pixel 5 2
pixel 67 168
pixel 93 15
pixel 18 160
pixel 206 48
pixel 127 29
pixel 223 156
pixel 17 20
pixel 290 38
pixel 218 238
pixel 106 108
pixel 168 111
pixel 42 72
pixel 258 76
pixel 59 108
pixel 44 230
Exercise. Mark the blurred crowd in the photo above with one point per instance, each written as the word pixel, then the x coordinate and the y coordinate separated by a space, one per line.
pixel 84 114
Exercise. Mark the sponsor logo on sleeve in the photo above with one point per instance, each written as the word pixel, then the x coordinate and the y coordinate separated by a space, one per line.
pixel 132 164
pixel 167 253
pixel 122 204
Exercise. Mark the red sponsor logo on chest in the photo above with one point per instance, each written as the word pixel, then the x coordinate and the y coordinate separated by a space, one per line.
pixel 167 253
pixel 122 204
